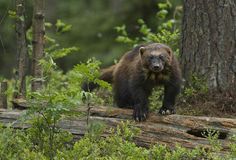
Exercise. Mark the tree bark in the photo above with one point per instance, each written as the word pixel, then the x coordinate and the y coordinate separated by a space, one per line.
pixel 3 95
pixel 21 47
pixel 209 43
pixel 166 130
pixel 38 43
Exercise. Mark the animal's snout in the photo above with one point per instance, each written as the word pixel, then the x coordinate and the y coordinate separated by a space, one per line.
pixel 156 66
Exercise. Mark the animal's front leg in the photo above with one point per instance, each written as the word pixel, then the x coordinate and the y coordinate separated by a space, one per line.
pixel 171 90
pixel 140 98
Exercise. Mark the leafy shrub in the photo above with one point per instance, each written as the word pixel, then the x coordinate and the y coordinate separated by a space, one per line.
pixel 12 143
pixel 156 98
pixel 16 145
pixel 197 86
pixel 233 147
pixel 119 144
pixel 59 97
pixel 167 32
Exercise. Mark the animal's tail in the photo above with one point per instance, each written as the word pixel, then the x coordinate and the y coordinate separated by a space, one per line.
pixel 106 75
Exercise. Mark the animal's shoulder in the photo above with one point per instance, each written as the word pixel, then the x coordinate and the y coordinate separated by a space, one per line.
pixel 133 53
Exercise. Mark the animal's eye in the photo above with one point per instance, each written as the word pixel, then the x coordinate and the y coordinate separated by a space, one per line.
pixel 162 56
pixel 151 57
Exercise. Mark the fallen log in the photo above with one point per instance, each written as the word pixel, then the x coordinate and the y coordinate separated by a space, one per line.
pixel 167 130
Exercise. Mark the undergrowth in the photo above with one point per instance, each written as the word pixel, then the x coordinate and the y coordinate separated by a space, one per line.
pixel 119 144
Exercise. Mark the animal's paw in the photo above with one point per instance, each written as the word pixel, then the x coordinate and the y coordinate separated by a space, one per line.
pixel 166 111
pixel 140 114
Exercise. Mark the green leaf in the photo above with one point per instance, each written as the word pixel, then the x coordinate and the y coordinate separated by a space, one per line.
pixel 162 5
pixel 162 14
pixel 141 21
pixel 48 24
pixel 22 19
pixel 12 14
pixel 61 27
pixel 59 53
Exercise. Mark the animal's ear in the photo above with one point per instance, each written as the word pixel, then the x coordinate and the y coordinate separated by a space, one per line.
pixel 169 51
pixel 141 50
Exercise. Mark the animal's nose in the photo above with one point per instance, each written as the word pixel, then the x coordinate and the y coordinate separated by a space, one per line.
pixel 157 66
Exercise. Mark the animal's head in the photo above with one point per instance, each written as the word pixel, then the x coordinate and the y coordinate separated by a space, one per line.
pixel 155 57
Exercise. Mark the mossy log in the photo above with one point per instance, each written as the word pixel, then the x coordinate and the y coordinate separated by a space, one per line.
pixel 167 130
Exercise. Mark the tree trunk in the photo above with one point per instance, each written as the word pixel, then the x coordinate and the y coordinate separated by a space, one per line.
pixel 209 43
pixel 38 43
pixel 3 95
pixel 167 130
pixel 21 47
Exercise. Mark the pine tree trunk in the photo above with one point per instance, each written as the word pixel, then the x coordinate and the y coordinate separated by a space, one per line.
pixel 209 43
pixel 38 43
pixel 21 47
pixel 3 95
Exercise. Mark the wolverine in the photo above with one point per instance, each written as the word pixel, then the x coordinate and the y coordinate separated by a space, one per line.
pixel 137 73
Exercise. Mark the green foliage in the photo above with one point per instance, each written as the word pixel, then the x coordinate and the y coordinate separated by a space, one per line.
pixel 123 37
pixel 12 14
pixel 215 144
pixel 158 152
pixel 193 97
pixel 47 141
pixel 61 27
pixel 117 145
pixel 16 145
pixel 197 86
pixel 58 99
pixel 167 32
pixel 183 153
pixel 48 106
pixel 90 72
pixel 126 131
pixel 92 28
pixel 233 147
pixel 60 96
pixel 31 155
pixel 156 98
pixel 12 143
pixel 11 89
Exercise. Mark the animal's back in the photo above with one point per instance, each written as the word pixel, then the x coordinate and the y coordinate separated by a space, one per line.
pixel 122 76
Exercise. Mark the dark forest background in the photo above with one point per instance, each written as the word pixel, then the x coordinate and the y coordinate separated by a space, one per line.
pixel 93 28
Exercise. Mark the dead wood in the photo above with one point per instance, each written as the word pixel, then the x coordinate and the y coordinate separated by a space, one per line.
pixel 167 130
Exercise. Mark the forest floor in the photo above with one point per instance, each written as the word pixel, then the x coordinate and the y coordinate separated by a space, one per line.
pixel 211 105
pixel 208 104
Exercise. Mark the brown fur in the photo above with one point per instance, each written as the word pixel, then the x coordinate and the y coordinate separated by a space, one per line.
pixel 134 77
